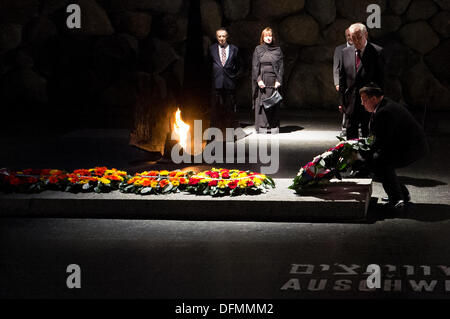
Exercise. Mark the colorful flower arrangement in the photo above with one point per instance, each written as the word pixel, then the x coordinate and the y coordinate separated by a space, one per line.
pixel 223 182
pixel 156 182
pixel 216 182
pixel 341 158
pixel 98 179
pixel 30 180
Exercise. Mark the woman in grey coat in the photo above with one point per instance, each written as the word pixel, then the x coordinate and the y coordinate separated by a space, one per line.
pixel 267 76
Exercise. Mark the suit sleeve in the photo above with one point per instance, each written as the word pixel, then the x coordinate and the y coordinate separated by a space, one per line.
pixel 337 57
pixel 342 80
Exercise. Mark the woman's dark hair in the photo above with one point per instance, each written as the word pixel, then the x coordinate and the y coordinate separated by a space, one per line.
pixel 372 89
pixel 268 29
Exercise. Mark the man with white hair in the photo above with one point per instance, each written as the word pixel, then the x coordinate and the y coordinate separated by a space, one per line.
pixel 362 64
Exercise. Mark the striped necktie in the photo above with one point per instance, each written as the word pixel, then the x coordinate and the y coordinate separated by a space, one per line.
pixel 224 56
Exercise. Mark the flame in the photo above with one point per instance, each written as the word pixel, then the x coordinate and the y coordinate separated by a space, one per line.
pixel 181 129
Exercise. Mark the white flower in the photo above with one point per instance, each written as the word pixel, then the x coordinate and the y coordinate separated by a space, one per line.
pixel 326 154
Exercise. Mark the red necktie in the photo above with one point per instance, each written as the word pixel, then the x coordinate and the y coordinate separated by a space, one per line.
pixel 358 59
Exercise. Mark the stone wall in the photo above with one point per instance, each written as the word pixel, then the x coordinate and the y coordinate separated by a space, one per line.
pixel 128 53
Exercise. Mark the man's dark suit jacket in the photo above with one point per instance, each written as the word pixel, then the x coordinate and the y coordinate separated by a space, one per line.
pixel 337 57
pixel 370 70
pixel 224 76
pixel 399 138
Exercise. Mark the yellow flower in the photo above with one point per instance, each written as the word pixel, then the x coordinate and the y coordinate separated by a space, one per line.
pixel 222 184
pixel 153 184
pixel 242 183
pixel 163 173
pixel 175 183
pixel 179 174
pixel 215 170
pixel 138 182
pixel 205 180
pixel 257 181
pixel 105 180
pixel 234 175
pixel 83 181
pixel 242 175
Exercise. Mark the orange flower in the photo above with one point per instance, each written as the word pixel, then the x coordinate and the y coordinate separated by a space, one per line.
pixel 173 174
pixel 113 177
pixel 153 173
pixel 146 182
pixel 183 180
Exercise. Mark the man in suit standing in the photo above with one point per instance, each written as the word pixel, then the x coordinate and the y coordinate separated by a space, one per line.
pixel 337 61
pixel 225 68
pixel 361 64
pixel 399 140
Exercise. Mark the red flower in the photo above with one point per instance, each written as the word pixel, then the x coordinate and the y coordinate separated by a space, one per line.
pixel 214 175
pixel 15 181
pixel 32 171
pixel 213 183
pixel 45 172
pixel 250 183
pixel 163 183
pixel 100 171
pixel 31 180
pixel 82 172
pixel 226 175
pixel 53 180
pixel 232 184
pixel 193 181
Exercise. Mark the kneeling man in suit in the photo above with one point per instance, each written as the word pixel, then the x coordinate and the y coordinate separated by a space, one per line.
pixel 399 140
